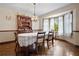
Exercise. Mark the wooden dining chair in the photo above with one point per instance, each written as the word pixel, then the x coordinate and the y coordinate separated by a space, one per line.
pixel 50 38
pixel 40 40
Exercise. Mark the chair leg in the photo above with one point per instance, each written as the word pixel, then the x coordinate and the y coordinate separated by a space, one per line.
pixel 36 49
pixel 16 52
pixel 52 42
pixel 48 44
pixel 43 47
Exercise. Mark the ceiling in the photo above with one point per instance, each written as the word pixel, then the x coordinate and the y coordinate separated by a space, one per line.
pixel 41 8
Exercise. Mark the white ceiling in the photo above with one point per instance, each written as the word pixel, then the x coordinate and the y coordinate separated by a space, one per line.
pixel 41 8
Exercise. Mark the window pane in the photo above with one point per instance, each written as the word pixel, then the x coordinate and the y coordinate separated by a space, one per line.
pixel 68 24
pixel 46 25
pixel 52 24
pixel 60 25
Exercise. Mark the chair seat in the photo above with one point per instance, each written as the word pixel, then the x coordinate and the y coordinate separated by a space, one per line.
pixel 48 40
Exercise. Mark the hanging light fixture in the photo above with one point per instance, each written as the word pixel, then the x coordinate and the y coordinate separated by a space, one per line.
pixel 34 18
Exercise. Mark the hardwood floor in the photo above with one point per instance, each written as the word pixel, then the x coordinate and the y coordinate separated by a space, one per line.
pixel 60 48
pixel 7 49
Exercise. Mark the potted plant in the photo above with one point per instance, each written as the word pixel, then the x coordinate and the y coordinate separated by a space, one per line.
pixel 55 28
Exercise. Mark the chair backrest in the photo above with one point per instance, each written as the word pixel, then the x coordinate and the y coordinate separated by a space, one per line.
pixel 40 37
pixel 50 35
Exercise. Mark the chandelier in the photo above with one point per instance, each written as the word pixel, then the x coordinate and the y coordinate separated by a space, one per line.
pixel 34 18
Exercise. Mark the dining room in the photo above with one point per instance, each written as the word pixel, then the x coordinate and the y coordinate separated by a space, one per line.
pixel 39 29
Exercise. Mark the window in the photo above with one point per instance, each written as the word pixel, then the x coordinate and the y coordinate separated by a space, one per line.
pixel 52 24
pixel 61 24
pixel 56 24
pixel 46 25
pixel 67 24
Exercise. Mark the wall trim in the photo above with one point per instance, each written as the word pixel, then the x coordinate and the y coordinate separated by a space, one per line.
pixel 8 30
pixel 7 42
pixel 75 31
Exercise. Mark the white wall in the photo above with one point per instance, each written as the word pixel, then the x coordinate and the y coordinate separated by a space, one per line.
pixel 77 19
pixel 8 19
pixel 35 24
pixel 6 36
pixel 6 23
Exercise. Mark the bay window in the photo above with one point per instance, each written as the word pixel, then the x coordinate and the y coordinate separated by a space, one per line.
pixel 63 24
